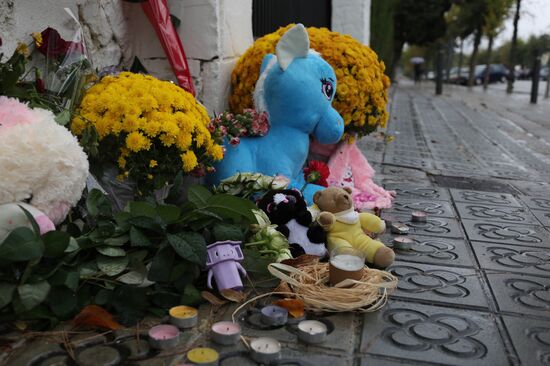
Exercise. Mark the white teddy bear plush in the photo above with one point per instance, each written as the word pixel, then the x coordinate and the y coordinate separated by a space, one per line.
pixel 41 162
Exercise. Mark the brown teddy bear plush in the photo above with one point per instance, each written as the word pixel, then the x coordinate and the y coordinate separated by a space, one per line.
pixel 346 227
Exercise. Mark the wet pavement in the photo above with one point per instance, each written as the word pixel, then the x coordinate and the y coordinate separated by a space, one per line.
pixel 473 290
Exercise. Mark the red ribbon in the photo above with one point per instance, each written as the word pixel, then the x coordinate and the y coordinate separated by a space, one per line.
pixel 159 15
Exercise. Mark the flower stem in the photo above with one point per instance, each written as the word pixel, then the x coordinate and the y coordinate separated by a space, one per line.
pixel 265 241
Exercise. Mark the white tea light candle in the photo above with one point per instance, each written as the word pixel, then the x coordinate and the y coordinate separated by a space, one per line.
pixel 345 263
pixel 226 333
pixel 312 331
pixel 265 350
pixel 402 243
pixel 419 216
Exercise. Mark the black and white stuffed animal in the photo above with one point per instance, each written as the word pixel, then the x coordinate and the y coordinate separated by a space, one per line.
pixel 287 209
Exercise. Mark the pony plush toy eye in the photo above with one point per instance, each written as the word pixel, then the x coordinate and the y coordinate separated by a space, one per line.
pixel 296 87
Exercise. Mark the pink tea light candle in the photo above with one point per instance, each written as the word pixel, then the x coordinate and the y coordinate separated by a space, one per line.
pixel 226 333
pixel 164 336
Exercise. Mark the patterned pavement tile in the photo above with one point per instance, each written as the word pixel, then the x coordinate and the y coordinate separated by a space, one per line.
pixel 531 339
pixel 532 188
pixel 455 286
pixel 484 212
pixel 502 233
pixel 430 249
pixel 512 258
pixel 408 162
pixel 542 216
pixel 521 294
pixel 385 361
pixel 432 333
pixel 432 208
pixel 488 198
pixel 434 226
pixel 537 203
pixel 408 191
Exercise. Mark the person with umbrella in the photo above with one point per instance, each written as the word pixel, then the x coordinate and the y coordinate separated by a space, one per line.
pixel 417 65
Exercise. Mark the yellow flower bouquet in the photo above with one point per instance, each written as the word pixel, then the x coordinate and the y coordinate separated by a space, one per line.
pixel 362 86
pixel 150 129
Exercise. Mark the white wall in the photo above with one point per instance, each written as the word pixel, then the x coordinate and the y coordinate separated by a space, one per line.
pixel 352 17
pixel 214 34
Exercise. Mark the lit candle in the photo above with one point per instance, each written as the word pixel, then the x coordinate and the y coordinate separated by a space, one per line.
pixel 312 331
pixel 419 216
pixel 264 350
pixel 345 263
pixel 274 315
pixel 203 356
pixel 164 336
pixel 399 228
pixel 183 316
pixel 402 243
pixel 226 333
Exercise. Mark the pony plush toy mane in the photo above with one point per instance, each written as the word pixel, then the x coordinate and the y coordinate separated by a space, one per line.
pixel 295 88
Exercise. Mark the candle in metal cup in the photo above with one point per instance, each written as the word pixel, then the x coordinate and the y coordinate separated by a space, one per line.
pixel 312 331
pixel 274 315
pixel 419 216
pixel 203 356
pixel 402 243
pixel 164 336
pixel 345 266
pixel 226 333
pixel 264 350
pixel 399 228
pixel 184 316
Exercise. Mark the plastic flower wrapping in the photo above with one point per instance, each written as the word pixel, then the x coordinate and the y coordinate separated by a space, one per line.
pixel 362 86
pixel 150 129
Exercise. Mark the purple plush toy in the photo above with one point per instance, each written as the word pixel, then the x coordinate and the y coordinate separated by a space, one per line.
pixel 222 261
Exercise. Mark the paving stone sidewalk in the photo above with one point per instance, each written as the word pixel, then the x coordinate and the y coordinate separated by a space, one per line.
pixel 473 290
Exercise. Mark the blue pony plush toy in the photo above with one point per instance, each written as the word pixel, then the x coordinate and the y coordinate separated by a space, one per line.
pixel 296 87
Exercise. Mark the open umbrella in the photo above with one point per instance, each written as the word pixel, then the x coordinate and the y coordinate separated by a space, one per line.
pixel 417 60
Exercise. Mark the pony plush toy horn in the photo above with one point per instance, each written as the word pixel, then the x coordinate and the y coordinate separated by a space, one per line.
pixel 295 88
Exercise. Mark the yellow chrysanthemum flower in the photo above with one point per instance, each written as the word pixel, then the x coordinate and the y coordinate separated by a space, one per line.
pixel 362 86
pixel 139 118
pixel 189 160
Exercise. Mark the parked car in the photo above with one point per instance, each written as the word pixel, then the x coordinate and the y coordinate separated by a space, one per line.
pixel 455 78
pixel 544 73
pixel 497 73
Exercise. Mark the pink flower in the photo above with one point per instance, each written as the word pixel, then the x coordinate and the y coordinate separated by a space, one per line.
pixel 224 130
pixel 211 127
pixel 235 141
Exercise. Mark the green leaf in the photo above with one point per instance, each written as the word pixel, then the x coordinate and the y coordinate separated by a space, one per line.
pixel 146 223
pixel 62 301
pixel 198 195
pixel 103 297
pixel 112 266
pixel 122 219
pixel 138 239
pixel 65 278
pixel 134 278
pixel 231 207
pixel 63 118
pixel 6 293
pixel 191 296
pixel 175 191
pixel 224 231
pixel 97 204
pixel 140 208
pixel 190 246
pixel 168 214
pixel 73 245
pixel 55 243
pixel 21 245
pixel 117 241
pixel 32 294
pixel 31 219
pixel 111 251
pixel 88 269
pixel 162 265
